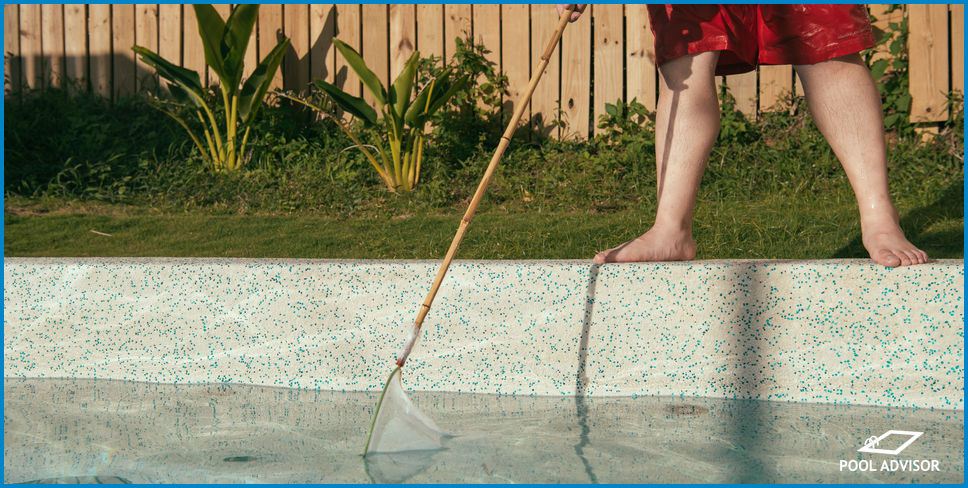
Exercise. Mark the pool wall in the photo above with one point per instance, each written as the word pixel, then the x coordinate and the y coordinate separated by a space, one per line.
pixel 835 331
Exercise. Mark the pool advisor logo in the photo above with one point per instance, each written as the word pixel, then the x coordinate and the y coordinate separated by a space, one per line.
pixel 890 443
pixel 872 444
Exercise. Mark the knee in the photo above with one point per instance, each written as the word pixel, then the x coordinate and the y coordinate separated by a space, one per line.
pixel 692 71
pixel 831 67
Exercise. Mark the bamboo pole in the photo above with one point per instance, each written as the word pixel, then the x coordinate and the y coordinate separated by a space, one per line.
pixel 479 194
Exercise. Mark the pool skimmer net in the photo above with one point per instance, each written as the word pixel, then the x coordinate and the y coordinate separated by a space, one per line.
pixel 397 424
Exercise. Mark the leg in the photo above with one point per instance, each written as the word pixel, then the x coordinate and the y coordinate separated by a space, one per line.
pixel 847 109
pixel 687 123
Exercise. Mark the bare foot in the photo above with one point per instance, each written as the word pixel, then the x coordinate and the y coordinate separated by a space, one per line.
pixel 888 246
pixel 654 245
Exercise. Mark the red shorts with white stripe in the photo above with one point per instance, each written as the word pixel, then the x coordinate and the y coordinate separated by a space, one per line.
pixel 750 35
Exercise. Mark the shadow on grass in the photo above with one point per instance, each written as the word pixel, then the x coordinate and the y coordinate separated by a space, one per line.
pixel 917 223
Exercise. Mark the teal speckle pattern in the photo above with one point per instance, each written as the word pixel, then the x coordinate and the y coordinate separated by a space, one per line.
pixel 833 331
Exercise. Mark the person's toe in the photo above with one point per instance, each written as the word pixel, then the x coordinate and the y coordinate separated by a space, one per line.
pixel 887 258
pixel 913 255
pixel 600 257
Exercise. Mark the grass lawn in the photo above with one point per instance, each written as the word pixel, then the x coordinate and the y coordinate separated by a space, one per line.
pixel 774 228
pixel 84 177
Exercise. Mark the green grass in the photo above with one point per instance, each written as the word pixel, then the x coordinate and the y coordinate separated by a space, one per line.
pixel 773 228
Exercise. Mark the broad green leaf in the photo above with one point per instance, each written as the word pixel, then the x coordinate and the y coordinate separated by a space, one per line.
pixel 211 28
pixel 185 79
pixel 611 110
pixel 904 101
pixel 370 80
pixel 416 111
pixel 238 33
pixel 878 68
pixel 403 86
pixel 179 94
pixel 354 105
pixel 441 99
pixel 417 114
pixel 255 88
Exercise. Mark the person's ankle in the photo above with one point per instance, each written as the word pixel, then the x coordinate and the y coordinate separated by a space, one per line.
pixel 880 224
pixel 672 228
pixel 878 217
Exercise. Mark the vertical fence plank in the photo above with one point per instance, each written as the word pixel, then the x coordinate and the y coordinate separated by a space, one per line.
pixel 514 61
pixel 193 53
pixel 31 51
pixel 403 36
pixel 75 45
pixel 487 32
pixel 52 42
pixel 99 43
pixel 640 56
pixel 146 35
pixel 958 47
pixel 296 62
pixel 375 44
pixel 928 57
pixel 322 28
pixel 457 23
pixel 430 30
pixel 776 82
pixel 576 72
pixel 169 35
pixel 122 35
pixel 348 31
pixel 609 55
pixel 169 32
pixel 544 101
pixel 743 89
pixel 270 33
pixel 11 48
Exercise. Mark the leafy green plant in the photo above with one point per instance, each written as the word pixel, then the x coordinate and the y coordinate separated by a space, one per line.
pixel 733 124
pixel 472 118
pixel 225 43
pixel 486 84
pixel 402 120
pixel 623 120
pixel 891 74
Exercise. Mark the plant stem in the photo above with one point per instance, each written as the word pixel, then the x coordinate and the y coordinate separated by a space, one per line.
pixel 420 141
pixel 217 135
pixel 231 130
pixel 216 162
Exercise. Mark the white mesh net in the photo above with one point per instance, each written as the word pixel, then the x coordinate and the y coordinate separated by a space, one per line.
pixel 400 426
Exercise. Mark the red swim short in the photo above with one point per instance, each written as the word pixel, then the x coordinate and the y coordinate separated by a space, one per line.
pixel 750 35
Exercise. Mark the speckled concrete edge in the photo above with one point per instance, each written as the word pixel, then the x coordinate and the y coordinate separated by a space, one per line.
pixel 835 331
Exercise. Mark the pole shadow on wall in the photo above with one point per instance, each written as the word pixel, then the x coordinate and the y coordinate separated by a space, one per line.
pixel 581 377
pixel 747 420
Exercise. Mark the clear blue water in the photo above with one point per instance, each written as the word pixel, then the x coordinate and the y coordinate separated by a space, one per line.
pixel 71 430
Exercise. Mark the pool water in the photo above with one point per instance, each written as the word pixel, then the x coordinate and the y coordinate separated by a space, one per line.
pixel 77 430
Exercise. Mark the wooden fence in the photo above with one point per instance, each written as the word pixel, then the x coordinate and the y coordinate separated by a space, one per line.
pixel 607 55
